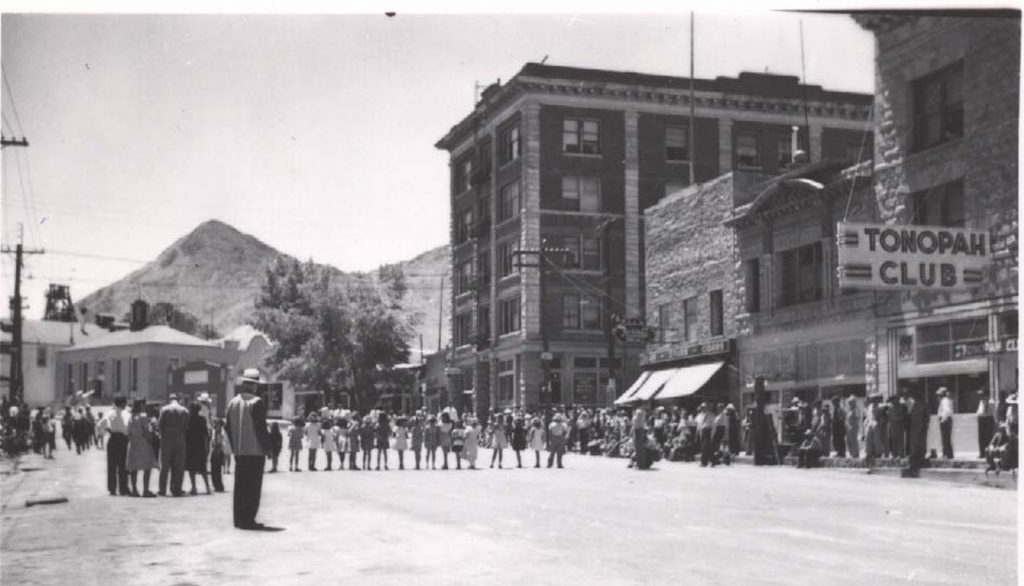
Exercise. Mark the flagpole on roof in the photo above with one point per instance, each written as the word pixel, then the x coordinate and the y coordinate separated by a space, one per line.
pixel 692 152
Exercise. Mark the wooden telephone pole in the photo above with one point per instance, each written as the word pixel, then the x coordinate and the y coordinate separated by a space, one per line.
pixel 17 345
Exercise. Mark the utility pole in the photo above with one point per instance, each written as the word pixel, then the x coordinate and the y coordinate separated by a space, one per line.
pixel 17 345
pixel 541 266
pixel 440 314
pixel 692 154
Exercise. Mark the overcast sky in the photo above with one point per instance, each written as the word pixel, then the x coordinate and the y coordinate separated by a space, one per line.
pixel 313 133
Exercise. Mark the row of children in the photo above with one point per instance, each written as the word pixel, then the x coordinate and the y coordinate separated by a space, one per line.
pixel 345 433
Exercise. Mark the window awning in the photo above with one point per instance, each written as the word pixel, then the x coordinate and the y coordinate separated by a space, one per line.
pixel 647 386
pixel 688 380
pixel 639 382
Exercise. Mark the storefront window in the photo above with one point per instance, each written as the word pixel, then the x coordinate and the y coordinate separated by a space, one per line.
pixel 1008 325
pixel 937 343
pixel 963 390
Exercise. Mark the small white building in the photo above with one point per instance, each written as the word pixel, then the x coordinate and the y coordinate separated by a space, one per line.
pixel 42 340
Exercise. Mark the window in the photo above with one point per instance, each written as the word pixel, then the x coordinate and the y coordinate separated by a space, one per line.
pixel 509 309
pixel 581 136
pixel 802 274
pixel 676 144
pixel 118 385
pixel 70 388
pixel 571 312
pixel 942 205
pixel 854 153
pixel 506 382
pixel 752 278
pixel 939 107
pixel 101 368
pixel 590 314
pixel 715 300
pixel 591 253
pixel 41 356
pixel 947 341
pixel 483 226
pixel 563 251
pixel 581 193
pixel 463 277
pixel 785 151
pixel 509 145
pixel 580 313
pixel 463 173
pixel 464 226
pixel 133 375
pixel 483 325
pixel 507 257
pixel 663 322
pixel 1008 325
pixel 747 151
pixel 690 319
pixel 484 272
pixel 462 329
pixel 674 187
pixel 585 387
pixel 84 368
pixel 509 201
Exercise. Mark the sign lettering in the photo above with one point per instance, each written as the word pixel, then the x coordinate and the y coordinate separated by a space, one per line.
pixel 879 256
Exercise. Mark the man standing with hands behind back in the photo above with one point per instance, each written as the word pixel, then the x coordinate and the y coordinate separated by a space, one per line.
pixel 173 424
pixel 247 431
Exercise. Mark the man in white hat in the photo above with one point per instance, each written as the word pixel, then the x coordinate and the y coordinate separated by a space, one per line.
pixel 250 441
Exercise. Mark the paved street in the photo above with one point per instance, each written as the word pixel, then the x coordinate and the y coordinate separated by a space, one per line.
pixel 677 524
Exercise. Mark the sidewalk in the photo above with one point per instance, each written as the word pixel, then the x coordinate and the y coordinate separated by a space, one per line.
pixel 970 471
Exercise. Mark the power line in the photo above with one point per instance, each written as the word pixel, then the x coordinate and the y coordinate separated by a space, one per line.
pixel 98 256
pixel 14 107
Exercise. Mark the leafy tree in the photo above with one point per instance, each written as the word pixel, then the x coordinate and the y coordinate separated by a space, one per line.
pixel 167 314
pixel 332 336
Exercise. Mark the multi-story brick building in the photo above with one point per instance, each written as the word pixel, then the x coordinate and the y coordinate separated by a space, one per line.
pixel 946 153
pixel 568 159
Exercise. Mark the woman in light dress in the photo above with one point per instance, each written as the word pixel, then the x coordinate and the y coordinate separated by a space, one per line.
pixel 141 455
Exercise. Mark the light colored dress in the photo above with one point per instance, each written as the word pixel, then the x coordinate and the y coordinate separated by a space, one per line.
pixel 328 441
pixel 341 438
pixel 313 435
pixel 535 437
pixel 140 448
pixel 469 452
pixel 401 438
pixel 499 441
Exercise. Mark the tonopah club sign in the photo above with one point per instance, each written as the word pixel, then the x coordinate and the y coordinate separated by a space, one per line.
pixel 877 256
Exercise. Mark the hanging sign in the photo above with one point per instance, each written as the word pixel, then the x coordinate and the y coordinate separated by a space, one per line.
pixel 879 256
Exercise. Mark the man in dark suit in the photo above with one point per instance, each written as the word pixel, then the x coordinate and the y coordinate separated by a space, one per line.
pixel 250 441
pixel 173 424
pixel 918 416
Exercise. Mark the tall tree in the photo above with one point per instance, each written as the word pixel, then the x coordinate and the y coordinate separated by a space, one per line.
pixel 331 336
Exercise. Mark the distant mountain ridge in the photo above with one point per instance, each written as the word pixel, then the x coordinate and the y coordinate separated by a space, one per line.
pixel 215 273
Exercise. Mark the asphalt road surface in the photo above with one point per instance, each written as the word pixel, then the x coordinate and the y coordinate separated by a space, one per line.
pixel 594 521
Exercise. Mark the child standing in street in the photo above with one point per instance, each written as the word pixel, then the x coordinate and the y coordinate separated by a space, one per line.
pixel 519 439
pixel 366 437
pixel 536 439
pixel 431 441
pixel 401 441
pixel 295 444
pixel 328 442
pixel 458 442
pixel 417 438
pixel 275 445
pixel 353 441
pixel 312 440
pixel 217 455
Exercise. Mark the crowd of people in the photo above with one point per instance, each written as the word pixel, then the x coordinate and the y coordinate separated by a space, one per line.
pixel 176 439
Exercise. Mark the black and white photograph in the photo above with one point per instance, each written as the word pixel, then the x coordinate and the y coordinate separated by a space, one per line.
pixel 540 294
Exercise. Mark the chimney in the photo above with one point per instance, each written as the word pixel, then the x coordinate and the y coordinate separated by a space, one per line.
pixel 139 310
